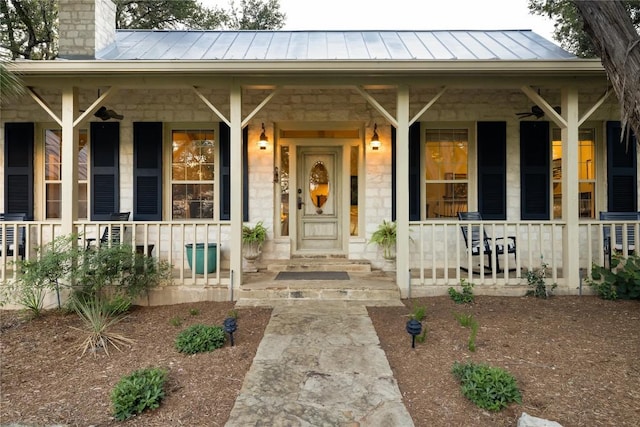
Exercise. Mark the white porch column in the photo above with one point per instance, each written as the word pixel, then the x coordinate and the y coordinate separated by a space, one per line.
pixel 402 194
pixel 570 212
pixel 69 153
pixel 236 185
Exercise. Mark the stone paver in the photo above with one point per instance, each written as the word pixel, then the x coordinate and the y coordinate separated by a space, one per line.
pixel 319 364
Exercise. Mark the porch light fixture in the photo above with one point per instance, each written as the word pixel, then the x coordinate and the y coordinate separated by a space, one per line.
pixel 375 139
pixel 262 143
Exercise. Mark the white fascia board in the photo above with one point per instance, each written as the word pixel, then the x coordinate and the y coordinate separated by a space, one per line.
pixel 60 67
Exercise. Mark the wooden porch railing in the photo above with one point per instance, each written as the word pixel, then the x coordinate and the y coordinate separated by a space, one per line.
pixel 438 254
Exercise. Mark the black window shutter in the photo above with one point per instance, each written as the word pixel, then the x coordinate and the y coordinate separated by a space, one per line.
pixel 225 172
pixel 105 173
pixel 492 167
pixel 621 171
pixel 535 150
pixel 224 140
pixel 18 170
pixel 414 172
pixel 147 171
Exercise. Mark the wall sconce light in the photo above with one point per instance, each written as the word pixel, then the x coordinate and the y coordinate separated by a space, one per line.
pixel 375 139
pixel 262 143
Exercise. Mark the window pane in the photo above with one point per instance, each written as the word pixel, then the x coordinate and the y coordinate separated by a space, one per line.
pixel 353 226
pixel 284 190
pixel 53 172
pixel 53 203
pixel 53 154
pixel 586 173
pixel 193 159
pixel 446 159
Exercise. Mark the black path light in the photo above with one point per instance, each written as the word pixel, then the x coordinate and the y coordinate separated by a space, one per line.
pixel 414 328
pixel 230 327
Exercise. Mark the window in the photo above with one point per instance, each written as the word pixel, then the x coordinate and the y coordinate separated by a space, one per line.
pixel 284 190
pixel 193 174
pixel 586 173
pixel 446 172
pixel 53 173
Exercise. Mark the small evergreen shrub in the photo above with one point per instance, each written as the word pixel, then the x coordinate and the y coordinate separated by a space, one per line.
pixel 536 280
pixel 488 387
pixel 464 297
pixel 134 393
pixel 200 339
pixel 621 281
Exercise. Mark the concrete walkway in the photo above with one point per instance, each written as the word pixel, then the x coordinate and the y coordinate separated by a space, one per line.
pixel 319 364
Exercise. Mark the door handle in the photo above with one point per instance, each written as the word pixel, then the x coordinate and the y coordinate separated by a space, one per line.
pixel 300 203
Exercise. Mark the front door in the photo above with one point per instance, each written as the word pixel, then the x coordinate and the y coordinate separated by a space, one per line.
pixel 319 204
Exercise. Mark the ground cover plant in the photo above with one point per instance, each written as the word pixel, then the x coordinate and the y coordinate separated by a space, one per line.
pixel 141 390
pixel 574 359
pixel 487 386
pixel 200 339
pixel 621 281
pixel 465 295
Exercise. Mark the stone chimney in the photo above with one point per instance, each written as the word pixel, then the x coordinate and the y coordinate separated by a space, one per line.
pixel 85 27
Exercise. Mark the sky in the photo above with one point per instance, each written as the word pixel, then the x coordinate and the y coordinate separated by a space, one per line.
pixel 408 15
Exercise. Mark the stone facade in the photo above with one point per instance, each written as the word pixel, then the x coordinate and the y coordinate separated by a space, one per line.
pixel 86 26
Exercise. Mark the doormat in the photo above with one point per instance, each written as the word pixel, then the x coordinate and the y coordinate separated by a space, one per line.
pixel 312 275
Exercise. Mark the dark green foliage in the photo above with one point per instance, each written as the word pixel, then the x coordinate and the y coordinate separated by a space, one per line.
pixel 464 297
pixel 536 280
pixel 200 339
pixel 622 281
pixel 141 390
pixel 488 387
pixel 568 27
pixel 117 274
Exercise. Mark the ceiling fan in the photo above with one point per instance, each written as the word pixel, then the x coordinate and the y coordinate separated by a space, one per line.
pixel 535 112
pixel 106 114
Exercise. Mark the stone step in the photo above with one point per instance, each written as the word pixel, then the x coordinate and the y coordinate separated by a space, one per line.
pixel 319 264
pixel 374 288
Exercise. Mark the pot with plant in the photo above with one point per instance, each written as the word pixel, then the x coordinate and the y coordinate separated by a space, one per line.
pixel 252 240
pixel 385 238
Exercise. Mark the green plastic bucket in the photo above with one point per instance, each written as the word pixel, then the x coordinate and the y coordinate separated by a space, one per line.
pixel 212 257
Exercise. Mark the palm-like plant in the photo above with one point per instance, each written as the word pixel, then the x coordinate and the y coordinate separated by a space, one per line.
pixel 10 84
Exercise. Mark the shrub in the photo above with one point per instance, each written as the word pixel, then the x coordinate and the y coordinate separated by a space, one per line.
pixel 194 311
pixel 536 280
pixel 44 273
pixel 141 390
pixel 118 273
pixel 488 387
pixel 200 339
pixel 464 297
pixel 622 281
pixel 98 318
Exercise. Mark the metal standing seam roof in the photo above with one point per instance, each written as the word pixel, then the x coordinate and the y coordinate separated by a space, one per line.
pixel 387 45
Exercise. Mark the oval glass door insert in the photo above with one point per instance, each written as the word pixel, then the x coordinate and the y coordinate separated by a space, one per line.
pixel 319 185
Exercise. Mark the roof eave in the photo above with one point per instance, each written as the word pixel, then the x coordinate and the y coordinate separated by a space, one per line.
pixel 64 68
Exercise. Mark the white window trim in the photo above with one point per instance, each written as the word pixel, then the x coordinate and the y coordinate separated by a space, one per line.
pixel 472 168
pixel 167 160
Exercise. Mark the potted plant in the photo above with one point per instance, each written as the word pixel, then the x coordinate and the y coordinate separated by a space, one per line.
pixel 252 240
pixel 385 238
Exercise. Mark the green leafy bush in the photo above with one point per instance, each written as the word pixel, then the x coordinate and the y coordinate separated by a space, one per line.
pixel 488 387
pixel 200 339
pixel 536 280
pixel 622 281
pixel 464 297
pixel 143 389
